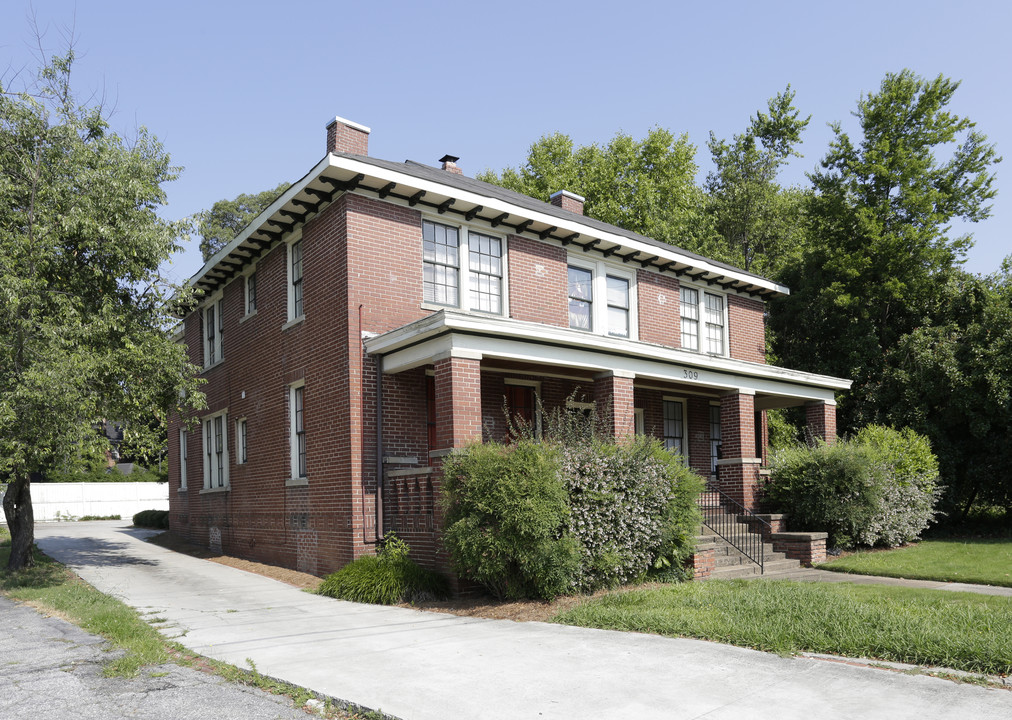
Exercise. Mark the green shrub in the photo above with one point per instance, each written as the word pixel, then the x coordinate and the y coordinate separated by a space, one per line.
pixel 506 515
pixel 157 519
pixel 388 577
pixel 633 509
pixel 878 488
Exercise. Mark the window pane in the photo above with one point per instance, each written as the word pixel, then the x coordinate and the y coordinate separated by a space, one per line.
pixel 618 322
pixel 618 292
pixel 440 262
pixel 485 264
pixel 580 284
pixel 579 315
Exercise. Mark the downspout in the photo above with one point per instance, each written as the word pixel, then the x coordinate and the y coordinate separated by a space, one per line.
pixel 379 448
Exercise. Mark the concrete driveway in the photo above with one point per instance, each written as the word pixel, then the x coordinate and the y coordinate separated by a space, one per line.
pixel 427 666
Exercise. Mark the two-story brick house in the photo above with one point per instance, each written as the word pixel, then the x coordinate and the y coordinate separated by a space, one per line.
pixel 378 314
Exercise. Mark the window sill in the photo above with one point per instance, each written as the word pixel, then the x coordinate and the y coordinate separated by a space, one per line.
pixel 212 491
pixel 436 307
pixel 181 491
pixel 247 316
pixel 292 323
pixel 297 482
pixel 213 365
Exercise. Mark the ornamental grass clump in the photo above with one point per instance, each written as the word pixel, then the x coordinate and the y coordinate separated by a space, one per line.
pixel 388 577
pixel 877 488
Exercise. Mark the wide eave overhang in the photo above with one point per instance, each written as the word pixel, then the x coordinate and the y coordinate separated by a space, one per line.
pixel 462 198
pixel 451 334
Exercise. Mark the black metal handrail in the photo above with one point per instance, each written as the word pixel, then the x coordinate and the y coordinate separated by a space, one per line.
pixel 723 515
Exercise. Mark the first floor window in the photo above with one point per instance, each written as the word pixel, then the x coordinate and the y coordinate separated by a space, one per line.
pixel 674 426
pixel 440 263
pixel 182 459
pixel 215 452
pixel 240 442
pixel 581 298
pixel 714 437
pixel 298 434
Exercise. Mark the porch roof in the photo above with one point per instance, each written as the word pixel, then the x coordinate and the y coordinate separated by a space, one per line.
pixel 452 334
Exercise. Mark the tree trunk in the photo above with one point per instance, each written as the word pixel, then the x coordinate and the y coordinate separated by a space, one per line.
pixel 20 521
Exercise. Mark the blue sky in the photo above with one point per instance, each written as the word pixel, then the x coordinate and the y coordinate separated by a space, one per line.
pixel 240 92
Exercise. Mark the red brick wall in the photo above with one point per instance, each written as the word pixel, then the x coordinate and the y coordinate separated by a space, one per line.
pixel 539 285
pixel 698 422
pixel 658 308
pixel 820 419
pixel 344 138
pixel 614 399
pixel 747 329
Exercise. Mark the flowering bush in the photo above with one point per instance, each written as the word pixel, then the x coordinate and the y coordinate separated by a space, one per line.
pixel 632 508
pixel 878 488
pixel 539 519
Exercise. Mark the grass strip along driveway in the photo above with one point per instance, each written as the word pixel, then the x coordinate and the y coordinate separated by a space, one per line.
pixel 983 561
pixel 924 627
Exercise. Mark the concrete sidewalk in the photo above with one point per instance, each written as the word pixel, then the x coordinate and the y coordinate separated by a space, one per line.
pixel 422 666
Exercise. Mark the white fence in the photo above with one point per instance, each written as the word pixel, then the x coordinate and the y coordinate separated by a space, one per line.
pixel 70 501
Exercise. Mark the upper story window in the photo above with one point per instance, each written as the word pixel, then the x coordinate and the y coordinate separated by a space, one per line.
pixel 444 276
pixel 251 293
pixel 214 331
pixel 601 299
pixel 295 280
pixel 702 311
pixel 240 442
pixel 441 261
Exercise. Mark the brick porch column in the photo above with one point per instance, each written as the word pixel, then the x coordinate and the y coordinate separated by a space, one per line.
pixel 613 398
pixel 820 419
pixel 458 401
pixel 738 466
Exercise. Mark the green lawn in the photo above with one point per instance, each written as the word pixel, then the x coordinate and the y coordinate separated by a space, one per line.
pixel 982 561
pixel 924 627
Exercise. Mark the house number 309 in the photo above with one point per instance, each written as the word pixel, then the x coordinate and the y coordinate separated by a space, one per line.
pixel 690 374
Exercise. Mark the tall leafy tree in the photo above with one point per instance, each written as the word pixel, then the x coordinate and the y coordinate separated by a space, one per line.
pixel 647 186
pixel 952 380
pixel 880 250
pixel 227 218
pixel 83 310
pixel 758 222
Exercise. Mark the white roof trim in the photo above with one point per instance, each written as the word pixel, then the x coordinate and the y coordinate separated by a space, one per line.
pixel 410 337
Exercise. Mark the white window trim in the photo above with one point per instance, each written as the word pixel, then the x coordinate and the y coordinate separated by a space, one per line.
pixel 292 319
pixel 293 445
pixel 600 270
pixel 183 453
pixel 714 463
pixel 212 483
pixel 685 424
pixel 217 303
pixel 703 291
pixel 241 423
pixel 464 268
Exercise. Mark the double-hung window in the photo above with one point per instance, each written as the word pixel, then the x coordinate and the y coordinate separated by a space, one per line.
pixel 214 331
pixel 700 309
pixel 478 284
pixel 297 433
pixel 441 264
pixel 581 298
pixel 216 452
pixel 240 442
pixel 485 266
pixel 601 299
pixel 251 293
pixel 295 280
pixel 182 458
pixel 674 426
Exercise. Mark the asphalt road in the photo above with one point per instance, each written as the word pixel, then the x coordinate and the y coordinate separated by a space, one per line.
pixel 52 669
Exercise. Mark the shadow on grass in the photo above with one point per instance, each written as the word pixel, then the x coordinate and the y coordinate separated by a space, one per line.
pixel 46 572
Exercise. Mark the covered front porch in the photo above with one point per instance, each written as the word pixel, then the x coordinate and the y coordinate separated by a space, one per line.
pixel 479 370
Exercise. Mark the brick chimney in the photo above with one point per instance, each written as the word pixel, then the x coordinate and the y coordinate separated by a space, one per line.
pixel 345 136
pixel 567 201
pixel 450 164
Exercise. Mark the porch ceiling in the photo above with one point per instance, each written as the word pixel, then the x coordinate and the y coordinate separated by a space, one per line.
pixel 532 346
